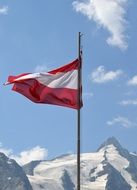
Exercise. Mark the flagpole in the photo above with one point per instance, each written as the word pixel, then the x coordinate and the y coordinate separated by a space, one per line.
pixel 78 113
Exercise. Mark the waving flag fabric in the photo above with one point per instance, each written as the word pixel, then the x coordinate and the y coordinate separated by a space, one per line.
pixel 58 87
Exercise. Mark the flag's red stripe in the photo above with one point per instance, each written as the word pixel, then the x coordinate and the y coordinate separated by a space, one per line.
pixel 39 93
pixel 69 67
pixel 11 79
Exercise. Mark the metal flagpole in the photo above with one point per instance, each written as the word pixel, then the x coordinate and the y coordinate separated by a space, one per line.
pixel 78 112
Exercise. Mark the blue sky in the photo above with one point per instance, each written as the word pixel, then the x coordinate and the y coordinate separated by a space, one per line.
pixel 42 35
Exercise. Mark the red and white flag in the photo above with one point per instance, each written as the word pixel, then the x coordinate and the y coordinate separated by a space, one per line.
pixel 58 87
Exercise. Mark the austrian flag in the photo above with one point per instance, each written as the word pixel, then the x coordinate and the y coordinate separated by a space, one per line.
pixel 57 87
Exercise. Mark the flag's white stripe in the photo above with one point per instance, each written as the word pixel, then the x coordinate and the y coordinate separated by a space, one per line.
pixel 60 80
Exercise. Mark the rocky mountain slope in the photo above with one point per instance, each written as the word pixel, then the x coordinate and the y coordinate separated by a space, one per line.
pixel 111 167
pixel 12 176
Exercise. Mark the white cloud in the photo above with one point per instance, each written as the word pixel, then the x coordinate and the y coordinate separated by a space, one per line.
pixel 121 121
pixel 26 156
pixel 36 153
pixel 129 93
pixel 108 14
pixel 128 102
pixel 87 94
pixel 100 75
pixel 41 68
pixel 6 151
pixel 4 10
pixel 133 81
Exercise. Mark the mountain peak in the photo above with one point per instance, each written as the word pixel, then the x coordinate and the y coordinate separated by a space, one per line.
pixel 113 141
pixel 110 141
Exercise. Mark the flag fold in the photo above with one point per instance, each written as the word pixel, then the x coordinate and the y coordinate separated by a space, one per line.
pixel 57 87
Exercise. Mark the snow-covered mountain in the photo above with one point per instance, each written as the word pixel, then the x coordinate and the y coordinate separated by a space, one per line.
pixel 110 168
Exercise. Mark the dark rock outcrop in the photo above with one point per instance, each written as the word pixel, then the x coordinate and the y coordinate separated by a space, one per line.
pixel 12 176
